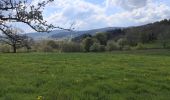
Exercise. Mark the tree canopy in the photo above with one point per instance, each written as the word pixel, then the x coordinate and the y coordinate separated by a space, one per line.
pixel 24 12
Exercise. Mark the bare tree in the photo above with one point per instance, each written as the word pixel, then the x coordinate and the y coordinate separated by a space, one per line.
pixel 15 39
pixel 12 11
pixel 25 12
pixel 22 11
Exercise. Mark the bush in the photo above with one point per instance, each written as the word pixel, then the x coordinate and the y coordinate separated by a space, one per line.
pixel 112 45
pixel 53 44
pixel 102 47
pixel 88 42
pixel 122 42
pixel 70 47
pixel 47 48
pixel 102 38
pixel 57 46
pixel 4 48
pixel 126 47
pixel 96 47
pixel 140 46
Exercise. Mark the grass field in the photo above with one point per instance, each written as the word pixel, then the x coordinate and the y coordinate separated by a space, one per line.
pixel 140 75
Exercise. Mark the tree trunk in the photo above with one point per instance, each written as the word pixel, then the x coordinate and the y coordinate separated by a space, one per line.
pixel 14 48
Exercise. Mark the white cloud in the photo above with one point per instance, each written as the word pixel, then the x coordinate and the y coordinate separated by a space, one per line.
pixel 89 15
pixel 83 13
pixel 150 13
pixel 127 4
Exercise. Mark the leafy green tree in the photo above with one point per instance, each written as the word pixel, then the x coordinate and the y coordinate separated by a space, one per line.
pixel 132 36
pixel 122 42
pixel 53 44
pixel 97 47
pixel 71 47
pixel 140 46
pixel 87 43
pixel 102 38
pixel 164 38
pixel 112 45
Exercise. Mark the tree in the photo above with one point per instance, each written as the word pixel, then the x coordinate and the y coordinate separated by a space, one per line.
pixel 112 45
pixel 21 11
pixel 81 37
pixel 102 38
pixel 53 44
pixel 122 42
pixel 12 11
pixel 27 42
pixel 164 38
pixel 97 47
pixel 132 36
pixel 15 40
pixel 114 34
pixel 71 47
pixel 87 43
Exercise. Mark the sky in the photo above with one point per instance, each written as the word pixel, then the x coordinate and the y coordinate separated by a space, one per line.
pixel 92 14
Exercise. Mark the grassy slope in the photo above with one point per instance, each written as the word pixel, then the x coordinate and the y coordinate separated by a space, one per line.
pixel 95 76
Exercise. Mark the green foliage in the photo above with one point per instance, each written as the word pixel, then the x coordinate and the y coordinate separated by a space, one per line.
pixel 87 43
pixel 102 38
pixel 115 34
pixel 132 37
pixel 4 48
pixel 146 33
pixel 96 47
pixel 128 75
pixel 140 46
pixel 70 47
pixel 57 46
pixel 53 44
pixel 164 39
pixel 47 48
pixel 42 46
pixel 126 47
pixel 112 45
pixel 145 37
pixel 122 42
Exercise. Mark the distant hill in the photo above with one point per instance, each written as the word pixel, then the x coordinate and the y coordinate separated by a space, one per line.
pixel 63 34
pixel 153 32
pixel 44 35
pixel 150 32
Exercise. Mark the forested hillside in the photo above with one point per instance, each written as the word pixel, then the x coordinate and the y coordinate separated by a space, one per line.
pixel 151 36
pixel 125 38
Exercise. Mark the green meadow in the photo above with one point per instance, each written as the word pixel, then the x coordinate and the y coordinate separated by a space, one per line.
pixel 126 75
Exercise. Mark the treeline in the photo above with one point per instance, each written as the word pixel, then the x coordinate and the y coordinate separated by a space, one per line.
pixel 119 39
pixel 155 32
pixel 129 38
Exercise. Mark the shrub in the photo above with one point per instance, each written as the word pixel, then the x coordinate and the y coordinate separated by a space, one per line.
pixel 126 47
pixel 47 48
pixel 102 47
pixel 88 42
pixel 4 48
pixel 102 38
pixel 140 46
pixel 96 47
pixel 53 44
pixel 112 45
pixel 122 42
pixel 57 46
pixel 70 47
